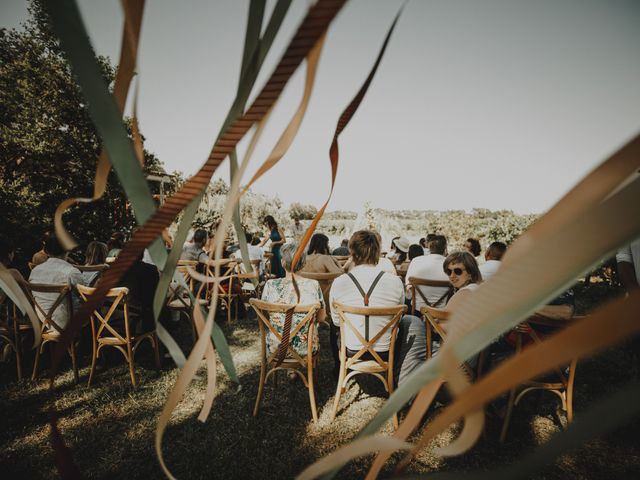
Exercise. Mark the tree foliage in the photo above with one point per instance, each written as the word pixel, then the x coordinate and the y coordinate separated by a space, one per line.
pixel 48 144
pixel 302 212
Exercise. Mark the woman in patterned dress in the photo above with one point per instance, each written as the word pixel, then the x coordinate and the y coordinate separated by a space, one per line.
pixel 280 290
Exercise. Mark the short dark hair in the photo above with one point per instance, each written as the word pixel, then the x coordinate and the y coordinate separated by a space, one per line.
pixel 53 247
pixel 200 236
pixel 437 244
pixel 249 237
pixel 475 246
pixel 469 262
pixel 496 251
pixel 319 244
pixel 116 241
pixel 415 251
pixel 364 247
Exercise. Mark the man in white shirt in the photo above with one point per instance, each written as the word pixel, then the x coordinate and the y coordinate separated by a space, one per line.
pixel 388 290
pixel 255 252
pixel 628 259
pixel 429 267
pixel 493 260
pixel 297 230
pixel 55 271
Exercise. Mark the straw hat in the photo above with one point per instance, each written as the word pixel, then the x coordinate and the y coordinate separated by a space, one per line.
pixel 403 244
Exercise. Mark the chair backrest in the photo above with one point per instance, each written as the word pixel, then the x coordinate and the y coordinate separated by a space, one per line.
pixel 92 268
pixel 341 259
pixel 264 310
pixel 117 296
pixel 46 314
pixel 436 317
pixel 394 312
pixel 325 280
pixel 416 282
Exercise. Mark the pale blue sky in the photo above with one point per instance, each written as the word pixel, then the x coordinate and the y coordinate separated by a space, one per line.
pixel 495 104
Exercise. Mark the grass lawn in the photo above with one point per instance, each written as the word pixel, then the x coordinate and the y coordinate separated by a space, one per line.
pixel 110 427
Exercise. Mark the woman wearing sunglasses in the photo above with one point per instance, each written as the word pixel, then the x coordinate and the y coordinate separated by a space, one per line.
pixel 464 274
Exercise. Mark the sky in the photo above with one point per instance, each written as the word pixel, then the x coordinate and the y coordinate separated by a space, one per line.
pixel 499 104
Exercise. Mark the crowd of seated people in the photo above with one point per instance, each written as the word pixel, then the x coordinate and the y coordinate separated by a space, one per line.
pixel 426 259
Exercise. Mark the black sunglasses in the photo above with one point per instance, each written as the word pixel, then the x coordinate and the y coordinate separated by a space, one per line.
pixel 457 271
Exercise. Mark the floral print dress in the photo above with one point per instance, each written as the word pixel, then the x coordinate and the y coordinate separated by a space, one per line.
pixel 280 290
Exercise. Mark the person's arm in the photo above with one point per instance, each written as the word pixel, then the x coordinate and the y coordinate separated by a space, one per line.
pixel 331 265
pixel 626 271
pixel 458 299
pixel 283 238
pixel 627 276
pixel 264 240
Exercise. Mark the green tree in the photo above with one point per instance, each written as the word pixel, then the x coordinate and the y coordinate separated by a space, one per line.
pixel 302 212
pixel 48 144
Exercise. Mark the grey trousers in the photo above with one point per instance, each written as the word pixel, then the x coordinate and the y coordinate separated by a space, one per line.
pixel 411 346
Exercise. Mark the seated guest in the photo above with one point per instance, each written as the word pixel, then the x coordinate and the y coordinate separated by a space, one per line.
pixel 384 263
pixel 428 238
pixel 7 252
pixel 55 271
pixel 464 274
pixel 318 258
pixel 429 267
pixel 41 256
pixel 194 250
pixel 142 280
pixel 472 245
pixel 415 250
pixel 96 254
pixel 343 249
pixel 392 248
pixel 402 248
pixel 281 290
pixel 255 253
pixel 364 248
pixel 115 244
pixel 493 259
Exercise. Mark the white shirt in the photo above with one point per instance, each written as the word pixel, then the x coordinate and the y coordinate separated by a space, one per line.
pixel 255 253
pixel 489 268
pixel 54 271
pixel 631 254
pixel 386 265
pixel 428 267
pixel 388 292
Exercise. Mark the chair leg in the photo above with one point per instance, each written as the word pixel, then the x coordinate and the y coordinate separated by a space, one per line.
pixel 263 372
pixel 37 361
pixel 74 362
pixel 312 395
pixel 569 393
pixel 18 357
pixel 130 361
pixel 507 417
pixel 156 350
pixel 94 358
pixel 339 390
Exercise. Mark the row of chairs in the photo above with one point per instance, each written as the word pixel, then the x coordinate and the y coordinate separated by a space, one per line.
pixel 436 324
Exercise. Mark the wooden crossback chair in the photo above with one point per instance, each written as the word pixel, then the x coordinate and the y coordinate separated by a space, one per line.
pixel 92 268
pixel 293 361
pixel 415 283
pixel 226 295
pixel 374 364
pixel 12 330
pixel 341 259
pixel 245 279
pixel 437 321
pixel 325 280
pixel 49 329
pixel 564 380
pixel 104 333
pixel 178 300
